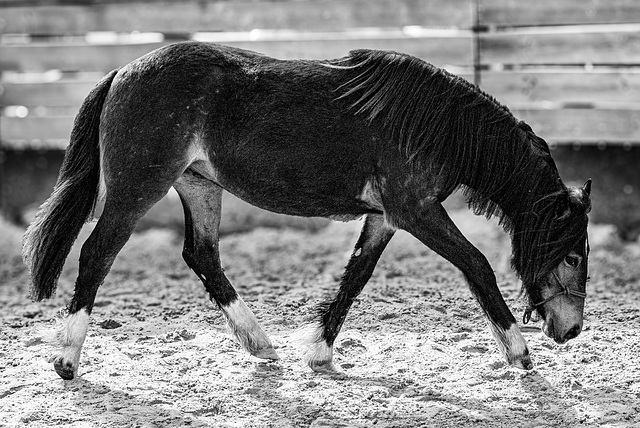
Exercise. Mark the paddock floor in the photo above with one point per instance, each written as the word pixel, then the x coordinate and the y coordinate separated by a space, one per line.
pixel 414 352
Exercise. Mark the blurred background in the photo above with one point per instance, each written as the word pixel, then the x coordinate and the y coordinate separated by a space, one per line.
pixel 569 68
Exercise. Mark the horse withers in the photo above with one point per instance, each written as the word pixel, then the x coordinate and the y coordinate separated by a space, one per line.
pixel 377 134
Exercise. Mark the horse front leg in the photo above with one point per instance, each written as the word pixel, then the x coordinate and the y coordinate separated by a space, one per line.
pixel 373 239
pixel 429 222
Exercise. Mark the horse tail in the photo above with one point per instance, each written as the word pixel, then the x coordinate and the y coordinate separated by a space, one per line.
pixel 48 240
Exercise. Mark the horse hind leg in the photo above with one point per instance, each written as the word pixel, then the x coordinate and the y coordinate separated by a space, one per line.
pixel 201 200
pixel 116 224
pixel 375 235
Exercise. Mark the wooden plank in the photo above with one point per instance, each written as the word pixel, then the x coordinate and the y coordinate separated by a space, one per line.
pixel 190 16
pixel 553 12
pixel 563 85
pixel 65 93
pixel 560 126
pixel 563 45
pixel 41 57
pixel 35 132
pixel 589 126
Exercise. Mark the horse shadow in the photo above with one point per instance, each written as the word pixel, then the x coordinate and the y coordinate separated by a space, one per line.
pixel 540 400
pixel 267 378
pixel 537 393
pixel 549 400
pixel 365 388
pixel 106 406
pixel 604 405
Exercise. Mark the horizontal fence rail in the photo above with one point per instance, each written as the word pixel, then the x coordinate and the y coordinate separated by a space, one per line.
pixel 570 68
pixel 105 51
pixel 194 16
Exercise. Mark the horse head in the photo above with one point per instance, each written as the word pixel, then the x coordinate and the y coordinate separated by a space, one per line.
pixel 558 296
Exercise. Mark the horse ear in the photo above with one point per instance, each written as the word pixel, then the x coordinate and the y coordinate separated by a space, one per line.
pixel 587 187
pixel 587 191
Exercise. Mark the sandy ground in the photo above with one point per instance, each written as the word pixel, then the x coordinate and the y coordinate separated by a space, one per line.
pixel 414 351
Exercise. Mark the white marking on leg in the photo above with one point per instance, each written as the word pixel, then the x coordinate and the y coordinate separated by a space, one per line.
pixel 317 354
pixel 68 337
pixel 199 158
pixel 371 196
pixel 102 186
pixel 247 330
pixel 513 346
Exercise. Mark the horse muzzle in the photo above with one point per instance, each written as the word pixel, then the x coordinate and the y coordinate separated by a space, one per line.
pixel 561 332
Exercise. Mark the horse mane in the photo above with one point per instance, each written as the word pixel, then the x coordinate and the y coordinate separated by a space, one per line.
pixel 503 168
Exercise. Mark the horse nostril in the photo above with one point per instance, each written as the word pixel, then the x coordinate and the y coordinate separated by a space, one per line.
pixel 574 332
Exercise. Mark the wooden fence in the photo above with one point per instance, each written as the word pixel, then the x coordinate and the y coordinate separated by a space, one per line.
pixel 570 68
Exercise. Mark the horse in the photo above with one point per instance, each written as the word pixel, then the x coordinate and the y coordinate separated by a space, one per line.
pixel 375 134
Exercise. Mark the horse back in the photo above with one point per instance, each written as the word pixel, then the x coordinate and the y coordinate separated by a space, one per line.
pixel 270 131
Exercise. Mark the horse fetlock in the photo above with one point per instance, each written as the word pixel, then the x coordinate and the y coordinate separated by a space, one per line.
pixel 513 346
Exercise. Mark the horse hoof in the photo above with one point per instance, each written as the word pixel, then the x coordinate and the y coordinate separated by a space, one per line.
pixel 326 367
pixel 266 354
pixel 523 363
pixel 64 370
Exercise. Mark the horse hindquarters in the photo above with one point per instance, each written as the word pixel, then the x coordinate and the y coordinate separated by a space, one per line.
pixel 139 162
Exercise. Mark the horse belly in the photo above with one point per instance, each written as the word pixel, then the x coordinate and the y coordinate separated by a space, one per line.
pixel 288 191
pixel 308 181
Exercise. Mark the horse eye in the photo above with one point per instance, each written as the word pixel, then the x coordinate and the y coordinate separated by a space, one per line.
pixel 572 261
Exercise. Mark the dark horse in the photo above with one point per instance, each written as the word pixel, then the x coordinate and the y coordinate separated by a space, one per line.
pixel 376 134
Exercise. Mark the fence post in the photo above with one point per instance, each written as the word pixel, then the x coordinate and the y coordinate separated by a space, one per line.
pixel 3 159
pixel 477 77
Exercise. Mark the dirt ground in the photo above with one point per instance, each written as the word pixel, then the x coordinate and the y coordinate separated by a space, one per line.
pixel 415 350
